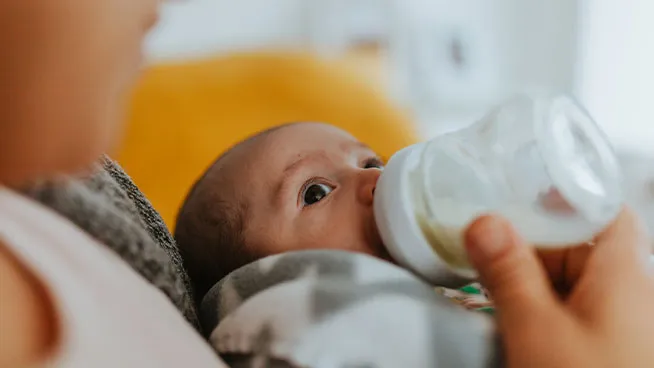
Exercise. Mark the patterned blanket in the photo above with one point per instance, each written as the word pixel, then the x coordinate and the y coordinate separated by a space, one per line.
pixel 339 309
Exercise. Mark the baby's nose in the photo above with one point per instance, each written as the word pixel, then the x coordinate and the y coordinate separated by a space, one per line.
pixel 368 184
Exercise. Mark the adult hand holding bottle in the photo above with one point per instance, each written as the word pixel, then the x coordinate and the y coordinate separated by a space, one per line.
pixel 603 319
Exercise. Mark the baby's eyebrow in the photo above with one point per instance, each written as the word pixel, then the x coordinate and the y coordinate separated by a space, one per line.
pixel 294 165
pixel 356 145
pixel 291 169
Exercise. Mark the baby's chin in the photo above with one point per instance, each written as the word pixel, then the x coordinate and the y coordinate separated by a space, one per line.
pixel 387 256
pixel 380 251
pixel 376 245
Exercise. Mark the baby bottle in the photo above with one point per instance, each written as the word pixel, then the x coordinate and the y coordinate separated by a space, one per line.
pixel 539 161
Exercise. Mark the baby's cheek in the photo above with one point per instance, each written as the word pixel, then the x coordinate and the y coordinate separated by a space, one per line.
pixel 372 250
pixel 352 244
pixel 338 230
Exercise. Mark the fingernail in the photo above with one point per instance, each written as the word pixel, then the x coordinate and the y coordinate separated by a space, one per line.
pixel 486 238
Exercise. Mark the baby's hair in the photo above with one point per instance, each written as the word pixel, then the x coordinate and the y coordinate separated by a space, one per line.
pixel 210 226
pixel 209 233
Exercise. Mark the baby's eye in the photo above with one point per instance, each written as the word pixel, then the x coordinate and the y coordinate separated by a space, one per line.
pixel 315 193
pixel 373 163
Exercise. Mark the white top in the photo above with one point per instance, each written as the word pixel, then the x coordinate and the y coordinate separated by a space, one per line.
pixel 109 315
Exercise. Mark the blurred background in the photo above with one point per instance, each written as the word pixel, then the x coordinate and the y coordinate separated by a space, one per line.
pixel 390 71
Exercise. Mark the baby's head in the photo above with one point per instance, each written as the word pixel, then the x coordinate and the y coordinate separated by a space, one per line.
pixel 299 186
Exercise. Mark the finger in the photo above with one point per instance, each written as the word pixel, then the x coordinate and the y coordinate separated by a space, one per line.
pixel 510 269
pixel 553 260
pixel 616 268
pixel 575 264
pixel 623 248
pixel 565 266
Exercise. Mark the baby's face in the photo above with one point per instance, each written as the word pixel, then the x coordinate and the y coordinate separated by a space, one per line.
pixel 308 186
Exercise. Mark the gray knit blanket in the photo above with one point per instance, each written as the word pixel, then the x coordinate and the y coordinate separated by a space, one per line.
pixel 108 205
pixel 337 309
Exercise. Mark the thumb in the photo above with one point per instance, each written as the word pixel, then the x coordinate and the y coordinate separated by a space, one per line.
pixel 509 268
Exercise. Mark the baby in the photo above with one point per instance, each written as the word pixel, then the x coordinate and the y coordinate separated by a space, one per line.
pixel 298 186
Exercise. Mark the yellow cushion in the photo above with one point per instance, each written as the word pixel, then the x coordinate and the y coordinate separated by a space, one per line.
pixel 184 115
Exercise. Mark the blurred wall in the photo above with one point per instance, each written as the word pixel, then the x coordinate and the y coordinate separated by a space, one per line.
pixel 536 38
pixel 509 45
pixel 599 49
pixel 616 70
pixel 204 27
